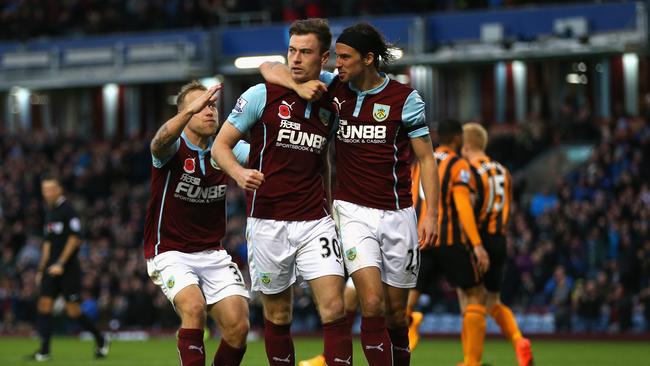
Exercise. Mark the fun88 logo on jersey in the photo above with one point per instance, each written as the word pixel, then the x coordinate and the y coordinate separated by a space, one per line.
pixel 361 134
pixel 291 137
pixel 189 189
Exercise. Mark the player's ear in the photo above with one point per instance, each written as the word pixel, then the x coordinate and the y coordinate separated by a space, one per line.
pixel 324 57
pixel 369 59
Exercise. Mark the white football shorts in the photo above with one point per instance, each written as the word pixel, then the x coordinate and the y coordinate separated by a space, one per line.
pixel 278 251
pixel 386 239
pixel 212 270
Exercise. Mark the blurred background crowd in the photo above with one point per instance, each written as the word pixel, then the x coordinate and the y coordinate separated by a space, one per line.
pixel 578 248
pixel 22 19
pixel 580 251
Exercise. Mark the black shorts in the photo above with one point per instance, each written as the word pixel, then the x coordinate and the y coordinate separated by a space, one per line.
pixel 459 265
pixel 68 284
pixel 495 246
pixel 430 271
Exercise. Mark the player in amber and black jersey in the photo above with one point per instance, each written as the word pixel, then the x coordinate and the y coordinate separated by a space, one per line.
pixel 492 204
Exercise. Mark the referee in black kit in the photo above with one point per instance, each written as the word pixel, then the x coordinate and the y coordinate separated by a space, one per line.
pixel 59 271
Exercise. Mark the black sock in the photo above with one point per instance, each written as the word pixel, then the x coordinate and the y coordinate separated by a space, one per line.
pixel 88 325
pixel 44 328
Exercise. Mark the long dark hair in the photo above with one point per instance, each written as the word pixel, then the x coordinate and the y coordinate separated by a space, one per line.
pixel 366 38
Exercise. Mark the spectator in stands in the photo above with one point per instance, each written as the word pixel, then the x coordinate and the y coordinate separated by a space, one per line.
pixel 558 291
pixel 542 202
pixel 587 305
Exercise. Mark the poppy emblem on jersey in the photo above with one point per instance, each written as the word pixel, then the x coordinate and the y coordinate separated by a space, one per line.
pixel 266 278
pixel 380 112
pixel 324 115
pixel 351 253
pixel 189 166
pixel 170 282
pixel 284 111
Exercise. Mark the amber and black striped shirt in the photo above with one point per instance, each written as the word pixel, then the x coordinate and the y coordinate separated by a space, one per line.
pixel 493 195
pixel 456 220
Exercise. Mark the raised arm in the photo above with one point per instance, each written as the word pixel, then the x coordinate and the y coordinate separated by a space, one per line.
pixel 229 135
pixel 162 144
pixel 279 74
pixel 428 229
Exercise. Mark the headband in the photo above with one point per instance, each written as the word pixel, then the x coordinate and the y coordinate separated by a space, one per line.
pixel 361 42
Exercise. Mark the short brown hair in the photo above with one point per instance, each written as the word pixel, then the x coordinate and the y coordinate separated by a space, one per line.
pixel 475 136
pixel 186 89
pixel 316 26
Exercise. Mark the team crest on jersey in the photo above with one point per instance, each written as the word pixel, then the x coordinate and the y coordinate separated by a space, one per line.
pixel 351 253
pixel 189 166
pixel 380 112
pixel 265 278
pixel 284 111
pixel 170 282
pixel 324 115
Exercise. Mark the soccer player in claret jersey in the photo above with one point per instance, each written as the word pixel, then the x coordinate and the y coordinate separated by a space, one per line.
pixel 289 228
pixel 493 202
pixel 185 222
pixel 59 271
pixel 381 122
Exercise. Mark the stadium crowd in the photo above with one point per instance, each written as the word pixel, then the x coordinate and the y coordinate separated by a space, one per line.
pixel 24 19
pixel 580 251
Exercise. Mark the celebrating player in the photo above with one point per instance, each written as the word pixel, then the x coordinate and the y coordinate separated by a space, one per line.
pixel 289 229
pixel 186 220
pixel 381 121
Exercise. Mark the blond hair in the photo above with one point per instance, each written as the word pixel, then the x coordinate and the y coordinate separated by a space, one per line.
pixel 186 89
pixel 475 136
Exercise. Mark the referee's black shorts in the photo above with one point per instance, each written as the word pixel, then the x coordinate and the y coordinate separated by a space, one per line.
pixel 68 284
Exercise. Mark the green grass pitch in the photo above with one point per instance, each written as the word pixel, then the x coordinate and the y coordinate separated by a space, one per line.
pixel 162 352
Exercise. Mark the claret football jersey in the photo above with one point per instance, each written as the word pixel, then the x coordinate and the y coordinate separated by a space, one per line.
pixel 373 142
pixel 187 208
pixel 289 139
